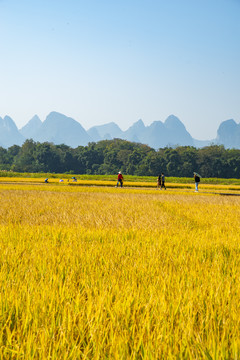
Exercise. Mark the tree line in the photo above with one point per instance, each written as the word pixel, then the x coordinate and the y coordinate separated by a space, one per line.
pixel 111 156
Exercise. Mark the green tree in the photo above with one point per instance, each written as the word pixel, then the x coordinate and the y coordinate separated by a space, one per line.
pixel 24 161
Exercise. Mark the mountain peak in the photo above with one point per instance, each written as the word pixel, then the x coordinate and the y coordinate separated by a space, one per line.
pixel 61 129
pixel 228 124
pixel 135 132
pixel 35 119
pixel 31 128
pixel 9 133
pixel 139 123
pixel 157 124
pixel 56 116
pixel 227 128
pixel 172 122
pixel 228 134
pixel 9 123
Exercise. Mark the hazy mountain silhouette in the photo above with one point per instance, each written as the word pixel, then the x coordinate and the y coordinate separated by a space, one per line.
pixel 177 133
pixel 9 133
pixel 156 135
pixel 135 132
pixel 105 132
pixel 170 133
pixel 60 129
pixel 29 131
pixel 94 134
pixel 228 134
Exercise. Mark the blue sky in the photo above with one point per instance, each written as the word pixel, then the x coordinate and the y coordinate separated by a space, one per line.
pixel 108 60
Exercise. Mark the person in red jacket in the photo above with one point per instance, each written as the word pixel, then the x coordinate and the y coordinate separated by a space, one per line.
pixel 120 179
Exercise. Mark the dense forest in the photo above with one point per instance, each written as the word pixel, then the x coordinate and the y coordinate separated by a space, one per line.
pixel 110 156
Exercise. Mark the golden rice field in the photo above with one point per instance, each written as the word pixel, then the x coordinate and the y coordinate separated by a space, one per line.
pixel 106 273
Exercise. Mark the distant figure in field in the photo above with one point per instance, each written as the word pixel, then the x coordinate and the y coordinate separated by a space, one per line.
pixel 61 180
pixel 163 181
pixel 197 180
pixel 159 181
pixel 46 180
pixel 74 178
pixel 120 179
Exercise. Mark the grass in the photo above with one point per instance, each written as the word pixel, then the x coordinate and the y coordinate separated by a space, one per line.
pixel 106 273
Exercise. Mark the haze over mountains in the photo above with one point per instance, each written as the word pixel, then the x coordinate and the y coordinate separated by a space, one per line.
pixel 60 129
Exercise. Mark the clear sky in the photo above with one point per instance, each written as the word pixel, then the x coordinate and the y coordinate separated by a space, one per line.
pixel 108 60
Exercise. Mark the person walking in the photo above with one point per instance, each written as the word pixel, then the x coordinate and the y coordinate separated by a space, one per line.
pixel 159 181
pixel 163 181
pixel 197 180
pixel 120 179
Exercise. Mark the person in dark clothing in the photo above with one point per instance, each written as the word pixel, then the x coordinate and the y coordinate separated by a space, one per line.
pixel 197 180
pixel 163 181
pixel 159 181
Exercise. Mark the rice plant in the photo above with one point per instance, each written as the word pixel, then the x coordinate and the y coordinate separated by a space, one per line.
pixel 104 273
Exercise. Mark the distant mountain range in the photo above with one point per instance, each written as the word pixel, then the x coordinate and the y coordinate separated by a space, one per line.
pixel 60 129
